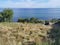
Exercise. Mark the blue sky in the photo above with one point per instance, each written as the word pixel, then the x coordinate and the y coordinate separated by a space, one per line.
pixel 29 3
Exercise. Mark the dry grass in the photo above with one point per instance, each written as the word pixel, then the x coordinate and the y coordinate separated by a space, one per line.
pixel 18 33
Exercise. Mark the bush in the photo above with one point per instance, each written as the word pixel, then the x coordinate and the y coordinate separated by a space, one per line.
pixel 46 22
pixel 23 20
pixel 6 15
pixel 33 20
pixel 26 20
pixel 20 20
pixel 30 20
pixel 54 20
pixel 1 17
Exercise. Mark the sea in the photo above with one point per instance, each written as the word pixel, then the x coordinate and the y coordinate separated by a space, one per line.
pixel 40 13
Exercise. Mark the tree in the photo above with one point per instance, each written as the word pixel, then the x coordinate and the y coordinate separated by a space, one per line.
pixel 7 14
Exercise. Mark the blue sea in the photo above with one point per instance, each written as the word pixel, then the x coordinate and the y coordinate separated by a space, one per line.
pixel 40 13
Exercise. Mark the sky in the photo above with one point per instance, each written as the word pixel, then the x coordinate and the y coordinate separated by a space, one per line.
pixel 29 3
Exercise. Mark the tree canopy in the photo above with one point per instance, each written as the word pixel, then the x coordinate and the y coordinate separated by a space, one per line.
pixel 6 15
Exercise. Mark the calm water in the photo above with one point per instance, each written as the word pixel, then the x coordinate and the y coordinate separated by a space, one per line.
pixel 41 13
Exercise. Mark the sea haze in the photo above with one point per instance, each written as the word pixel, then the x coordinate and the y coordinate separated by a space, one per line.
pixel 40 13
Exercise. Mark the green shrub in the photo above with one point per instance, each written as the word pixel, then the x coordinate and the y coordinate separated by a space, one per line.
pixel 46 22
pixel 33 20
pixel 6 15
pixel 20 20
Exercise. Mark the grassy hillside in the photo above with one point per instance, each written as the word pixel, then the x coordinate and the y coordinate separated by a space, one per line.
pixel 23 33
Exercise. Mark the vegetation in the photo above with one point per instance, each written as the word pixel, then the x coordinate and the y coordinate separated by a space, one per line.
pixel 6 15
pixel 28 31
pixel 23 34
pixel 33 20
pixel 23 20
pixel 54 34
pixel 46 22
pixel 53 37
pixel 30 20
pixel 54 20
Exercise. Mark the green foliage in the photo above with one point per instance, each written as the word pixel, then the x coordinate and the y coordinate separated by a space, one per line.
pixel 30 20
pixel 54 34
pixel 23 20
pixel 45 43
pixel 26 20
pixel 41 21
pixel 58 22
pixel 1 17
pixel 6 15
pixel 46 22
pixel 33 20
pixel 54 20
pixel 20 20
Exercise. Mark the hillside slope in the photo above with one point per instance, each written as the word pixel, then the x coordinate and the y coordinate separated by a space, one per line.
pixel 21 33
